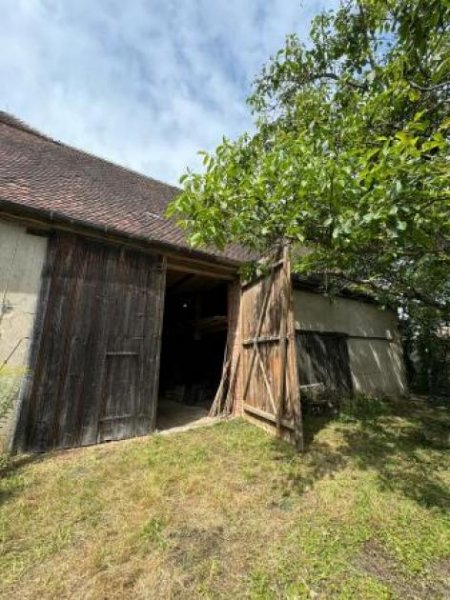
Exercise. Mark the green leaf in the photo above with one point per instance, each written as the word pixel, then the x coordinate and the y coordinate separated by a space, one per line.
pixel 354 165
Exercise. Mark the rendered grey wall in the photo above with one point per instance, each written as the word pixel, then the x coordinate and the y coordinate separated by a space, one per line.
pixel 21 260
pixel 375 351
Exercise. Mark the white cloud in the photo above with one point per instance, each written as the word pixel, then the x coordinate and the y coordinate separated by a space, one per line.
pixel 144 83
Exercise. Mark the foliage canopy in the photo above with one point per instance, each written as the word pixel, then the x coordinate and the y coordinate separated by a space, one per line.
pixel 350 157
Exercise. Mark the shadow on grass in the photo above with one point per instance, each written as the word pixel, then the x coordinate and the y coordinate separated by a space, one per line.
pixel 405 458
pixel 312 426
pixel 10 466
pixel 404 444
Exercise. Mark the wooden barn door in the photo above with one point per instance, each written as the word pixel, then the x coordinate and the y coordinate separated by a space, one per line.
pixel 134 297
pixel 271 393
pixel 96 360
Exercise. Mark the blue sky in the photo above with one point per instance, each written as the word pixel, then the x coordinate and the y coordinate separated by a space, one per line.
pixel 144 83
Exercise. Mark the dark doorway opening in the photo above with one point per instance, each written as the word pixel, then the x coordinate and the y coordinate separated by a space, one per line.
pixel 323 359
pixel 193 346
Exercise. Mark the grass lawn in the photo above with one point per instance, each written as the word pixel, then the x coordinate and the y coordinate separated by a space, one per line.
pixel 228 512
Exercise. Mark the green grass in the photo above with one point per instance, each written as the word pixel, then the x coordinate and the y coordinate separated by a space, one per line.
pixel 228 512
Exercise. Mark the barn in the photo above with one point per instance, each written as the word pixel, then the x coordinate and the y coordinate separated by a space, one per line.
pixel 111 323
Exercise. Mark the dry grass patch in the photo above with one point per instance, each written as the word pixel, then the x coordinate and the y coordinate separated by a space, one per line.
pixel 228 512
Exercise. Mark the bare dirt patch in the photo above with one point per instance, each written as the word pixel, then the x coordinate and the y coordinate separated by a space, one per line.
pixel 377 562
pixel 190 546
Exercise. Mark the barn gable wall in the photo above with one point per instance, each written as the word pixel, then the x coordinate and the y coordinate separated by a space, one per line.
pixel 22 257
pixel 374 345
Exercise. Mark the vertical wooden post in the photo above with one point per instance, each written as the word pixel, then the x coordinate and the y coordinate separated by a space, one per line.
pixel 159 316
pixel 234 399
pixel 228 396
pixel 292 371
pixel 285 286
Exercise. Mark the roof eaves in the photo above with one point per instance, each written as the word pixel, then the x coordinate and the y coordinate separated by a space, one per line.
pixel 58 218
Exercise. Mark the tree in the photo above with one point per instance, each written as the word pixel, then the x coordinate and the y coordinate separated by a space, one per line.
pixel 350 158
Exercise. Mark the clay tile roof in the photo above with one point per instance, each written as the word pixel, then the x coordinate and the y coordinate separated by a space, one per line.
pixel 38 173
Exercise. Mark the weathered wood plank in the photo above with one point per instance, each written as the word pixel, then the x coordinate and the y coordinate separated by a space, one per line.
pixel 98 354
pixel 292 374
pixel 268 416
pixel 271 391
pixel 260 307
pixel 285 285
pixel 261 340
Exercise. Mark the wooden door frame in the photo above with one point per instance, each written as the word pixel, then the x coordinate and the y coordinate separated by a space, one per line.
pixel 160 317
pixel 223 402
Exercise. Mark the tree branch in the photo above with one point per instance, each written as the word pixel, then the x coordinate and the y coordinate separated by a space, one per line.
pixel 366 34
pixel 431 88
pixel 410 294
pixel 330 75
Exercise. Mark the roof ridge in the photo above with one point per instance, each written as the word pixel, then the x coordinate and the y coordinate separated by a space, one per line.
pixel 13 121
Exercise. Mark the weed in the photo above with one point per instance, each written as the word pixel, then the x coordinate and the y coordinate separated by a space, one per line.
pixel 153 533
